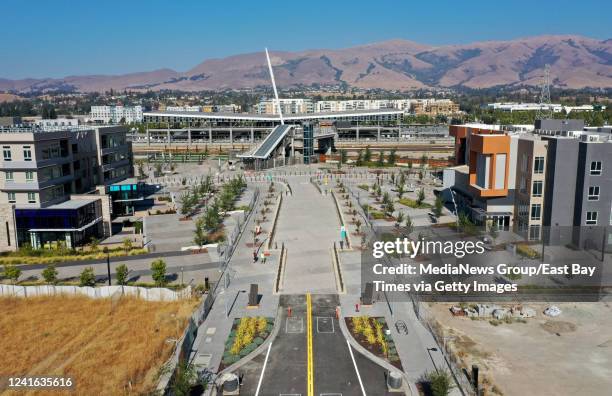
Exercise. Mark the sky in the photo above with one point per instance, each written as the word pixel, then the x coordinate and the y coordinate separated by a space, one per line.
pixel 61 37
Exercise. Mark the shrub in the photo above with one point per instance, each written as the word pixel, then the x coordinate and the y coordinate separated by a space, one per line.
pixel 158 272
pixel 49 274
pixel 87 277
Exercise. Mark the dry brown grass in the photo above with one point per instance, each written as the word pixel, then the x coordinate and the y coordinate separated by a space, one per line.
pixel 79 337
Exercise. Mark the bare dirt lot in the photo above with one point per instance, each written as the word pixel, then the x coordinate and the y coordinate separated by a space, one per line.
pixel 567 355
pixel 105 353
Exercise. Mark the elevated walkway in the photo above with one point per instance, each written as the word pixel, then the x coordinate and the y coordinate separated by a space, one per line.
pixel 269 144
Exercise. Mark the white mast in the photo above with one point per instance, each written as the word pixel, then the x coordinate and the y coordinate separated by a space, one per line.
pixel 280 113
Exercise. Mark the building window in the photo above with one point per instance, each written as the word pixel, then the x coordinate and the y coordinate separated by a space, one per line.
pixel 591 218
pixel 534 232
pixel 11 197
pixel 10 176
pixel 536 211
pixel 593 193
pixel 27 153
pixel 536 190
pixel 595 168
pixel 6 152
pixel 538 165
pixel 31 197
pixel 29 176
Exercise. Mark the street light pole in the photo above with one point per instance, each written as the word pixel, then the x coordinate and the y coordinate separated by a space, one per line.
pixel 431 357
pixel 108 264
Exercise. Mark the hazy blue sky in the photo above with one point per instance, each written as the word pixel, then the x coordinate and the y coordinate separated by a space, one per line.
pixel 60 37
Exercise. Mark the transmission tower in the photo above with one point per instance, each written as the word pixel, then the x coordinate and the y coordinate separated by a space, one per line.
pixel 545 108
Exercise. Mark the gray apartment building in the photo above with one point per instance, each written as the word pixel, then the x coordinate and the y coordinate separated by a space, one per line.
pixel 578 205
pixel 53 183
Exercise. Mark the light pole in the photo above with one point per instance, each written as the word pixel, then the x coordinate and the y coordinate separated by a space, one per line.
pixel 105 250
pixel 182 276
pixel 431 357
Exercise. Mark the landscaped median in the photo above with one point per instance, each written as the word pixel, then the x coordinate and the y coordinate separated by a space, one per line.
pixel 246 335
pixel 54 256
pixel 373 334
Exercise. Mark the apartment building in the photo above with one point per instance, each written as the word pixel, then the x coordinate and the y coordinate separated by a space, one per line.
pixel 115 114
pixel 434 107
pixel 288 106
pixel 546 184
pixel 578 206
pixel 324 106
pixel 53 183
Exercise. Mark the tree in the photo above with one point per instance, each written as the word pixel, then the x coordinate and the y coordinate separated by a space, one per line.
pixel 367 155
pixel 386 198
pixel 381 159
pixel 420 176
pixel 122 274
pixel 420 197
pixel 399 219
pixel 49 274
pixel 392 158
pixel 127 245
pixel 93 244
pixel 357 225
pixel 11 272
pixel 200 235
pixel 187 203
pixel 440 383
pixel 408 224
pixel 158 272
pixel 359 161
pixel 87 277
pixel 424 160
pixel 186 376
pixel 343 156
pixel 438 205
pixel 401 189
pixel 493 231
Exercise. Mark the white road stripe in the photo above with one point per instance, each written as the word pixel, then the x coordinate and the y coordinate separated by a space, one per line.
pixel 263 370
pixel 356 369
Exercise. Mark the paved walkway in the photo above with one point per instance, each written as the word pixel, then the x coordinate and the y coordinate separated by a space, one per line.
pixel 308 225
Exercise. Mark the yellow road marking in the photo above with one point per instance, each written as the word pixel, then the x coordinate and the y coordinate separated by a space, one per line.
pixel 310 373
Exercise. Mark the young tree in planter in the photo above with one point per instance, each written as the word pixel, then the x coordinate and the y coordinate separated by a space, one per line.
pixel 493 231
pixel 127 245
pixel 186 204
pixel 343 156
pixel 199 234
pixel 11 272
pixel 392 158
pixel 386 198
pixel 420 197
pixel 401 190
pixel 357 225
pixel 367 155
pixel 420 176
pixel 49 274
pixel 122 274
pixel 359 161
pixel 381 159
pixel 399 219
pixel 438 205
pixel 402 179
pixel 389 207
pixel 158 272
pixel 409 225
pixel 87 277
pixel 424 160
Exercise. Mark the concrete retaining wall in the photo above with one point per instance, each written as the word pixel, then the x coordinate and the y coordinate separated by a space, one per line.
pixel 153 294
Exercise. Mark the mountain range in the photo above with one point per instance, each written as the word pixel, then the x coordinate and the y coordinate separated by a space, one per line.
pixel 576 62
